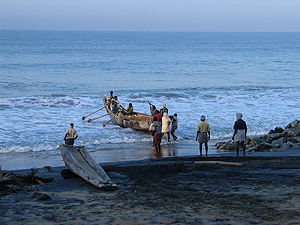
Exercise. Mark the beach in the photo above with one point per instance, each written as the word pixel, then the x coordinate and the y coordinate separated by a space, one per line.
pixel 53 78
pixel 169 190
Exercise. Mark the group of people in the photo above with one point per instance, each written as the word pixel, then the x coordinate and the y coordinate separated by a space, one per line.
pixel 161 125
pixel 239 134
pixel 113 104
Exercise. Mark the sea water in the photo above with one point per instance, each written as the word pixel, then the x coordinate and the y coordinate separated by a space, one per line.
pixel 49 79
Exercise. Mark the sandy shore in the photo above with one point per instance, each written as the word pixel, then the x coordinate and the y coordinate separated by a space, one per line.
pixel 174 190
pixel 113 153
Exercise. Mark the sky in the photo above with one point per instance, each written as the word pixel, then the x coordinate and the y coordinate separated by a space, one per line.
pixel 152 15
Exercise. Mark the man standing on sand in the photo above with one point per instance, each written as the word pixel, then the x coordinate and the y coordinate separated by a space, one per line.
pixel 155 130
pixel 239 135
pixel 70 133
pixel 203 131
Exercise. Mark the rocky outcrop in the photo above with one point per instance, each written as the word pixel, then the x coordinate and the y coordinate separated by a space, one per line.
pixel 276 140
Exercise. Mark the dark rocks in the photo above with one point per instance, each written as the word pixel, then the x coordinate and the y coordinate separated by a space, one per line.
pixel 262 147
pixel 276 130
pixel 41 196
pixel 274 136
pixel 294 124
pixel 292 132
pixel 46 169
pixel 279 142
pixel 275 140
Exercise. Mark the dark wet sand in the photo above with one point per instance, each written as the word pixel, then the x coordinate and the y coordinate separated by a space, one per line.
pixel 171 190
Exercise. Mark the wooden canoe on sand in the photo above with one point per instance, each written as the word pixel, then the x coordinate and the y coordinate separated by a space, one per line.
pixel 80 162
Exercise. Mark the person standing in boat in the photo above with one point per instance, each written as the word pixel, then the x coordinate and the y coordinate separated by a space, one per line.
pixel 203 134
pixel 70 133
pixel 166 121
pixel 155 130
pixel 111 96
pixel 174 126
pixel 239 135
pixel 163 109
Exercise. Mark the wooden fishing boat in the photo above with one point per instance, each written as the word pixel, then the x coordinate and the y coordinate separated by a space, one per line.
pixel 81 163
pixel 137 121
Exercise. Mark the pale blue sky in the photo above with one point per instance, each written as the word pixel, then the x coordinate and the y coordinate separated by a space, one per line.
pixel 151 15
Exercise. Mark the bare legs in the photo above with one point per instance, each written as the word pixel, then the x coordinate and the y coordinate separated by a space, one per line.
pixel 157 151
pixel 168 133
pixel 238 148
pixel 173 135
pixel 206 148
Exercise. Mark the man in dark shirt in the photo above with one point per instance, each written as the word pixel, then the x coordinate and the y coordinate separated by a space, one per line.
pixel 239 135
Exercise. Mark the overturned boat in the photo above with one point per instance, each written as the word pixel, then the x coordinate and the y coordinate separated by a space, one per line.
pixel 81 163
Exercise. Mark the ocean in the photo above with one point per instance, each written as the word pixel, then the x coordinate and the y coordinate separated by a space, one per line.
pixel 49 79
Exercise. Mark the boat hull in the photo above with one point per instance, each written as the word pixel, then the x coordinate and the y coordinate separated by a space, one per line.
pixel 80 162
pixel 138 121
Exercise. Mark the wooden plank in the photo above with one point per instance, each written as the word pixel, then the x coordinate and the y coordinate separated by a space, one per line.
pixel 219 163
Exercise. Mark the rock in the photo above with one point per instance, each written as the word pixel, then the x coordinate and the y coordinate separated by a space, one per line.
pixel 46 169
pixel 294 139
pixel 259 139
pixel 247 141
pixel 279 142
pixel 292 132
pixel 41 196
pixel 297 146
pixel 263 146
pixel 230 145
pixel 275 149
pixel 253 143
pixel 278 130
pixel 291 144
pixel 285 146
pixel 219 144
pixel 67 173
pixel 274 136
pixel 294 124
pixel 224 146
